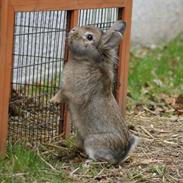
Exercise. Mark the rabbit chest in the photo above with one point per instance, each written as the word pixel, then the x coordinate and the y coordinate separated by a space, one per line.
pixel 82 80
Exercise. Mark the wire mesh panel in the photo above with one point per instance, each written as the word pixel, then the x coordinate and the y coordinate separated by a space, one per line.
pixel 39 47
pixel 39 56
pixel 102 18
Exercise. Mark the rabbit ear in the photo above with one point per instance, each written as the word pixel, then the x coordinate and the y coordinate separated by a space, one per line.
pixel 112 38
pixel 118 26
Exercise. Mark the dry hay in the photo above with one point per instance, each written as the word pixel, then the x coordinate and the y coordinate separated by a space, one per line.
pixel 157 159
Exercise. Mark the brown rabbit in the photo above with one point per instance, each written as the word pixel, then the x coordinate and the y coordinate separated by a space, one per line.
pixel 87 89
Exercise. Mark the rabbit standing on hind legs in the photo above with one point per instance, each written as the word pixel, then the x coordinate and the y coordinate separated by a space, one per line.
pixel 87 89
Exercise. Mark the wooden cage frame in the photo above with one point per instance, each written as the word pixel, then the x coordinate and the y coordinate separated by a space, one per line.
pixel 8 8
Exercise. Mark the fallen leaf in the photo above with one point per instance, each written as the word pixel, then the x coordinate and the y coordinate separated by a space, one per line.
pixel 179 100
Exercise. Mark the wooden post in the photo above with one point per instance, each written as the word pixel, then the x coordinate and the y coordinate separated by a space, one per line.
pixel 124 14
pixel 46 5
pixel 6 49
pixel 72 18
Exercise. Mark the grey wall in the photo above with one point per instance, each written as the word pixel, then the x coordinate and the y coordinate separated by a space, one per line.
pixel 155 22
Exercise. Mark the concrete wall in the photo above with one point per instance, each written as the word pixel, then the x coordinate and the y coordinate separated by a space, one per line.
pixel 155 22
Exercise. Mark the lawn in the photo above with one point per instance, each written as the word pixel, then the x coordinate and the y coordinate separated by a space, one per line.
pixel 153 72
pixel 25 165
pixel 155 80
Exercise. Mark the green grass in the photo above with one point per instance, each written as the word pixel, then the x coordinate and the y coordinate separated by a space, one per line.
pixel 23 165
pixel 152 72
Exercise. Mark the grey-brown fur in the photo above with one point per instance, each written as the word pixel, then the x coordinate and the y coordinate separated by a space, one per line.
pixel 87 89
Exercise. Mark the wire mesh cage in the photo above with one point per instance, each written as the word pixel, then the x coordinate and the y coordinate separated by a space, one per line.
pixel 32 58
pixel 38 60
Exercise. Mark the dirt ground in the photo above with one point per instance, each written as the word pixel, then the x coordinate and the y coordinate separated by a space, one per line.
pixel 157 159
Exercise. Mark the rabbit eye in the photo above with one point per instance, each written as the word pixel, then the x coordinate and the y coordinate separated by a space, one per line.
pixel 89 37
